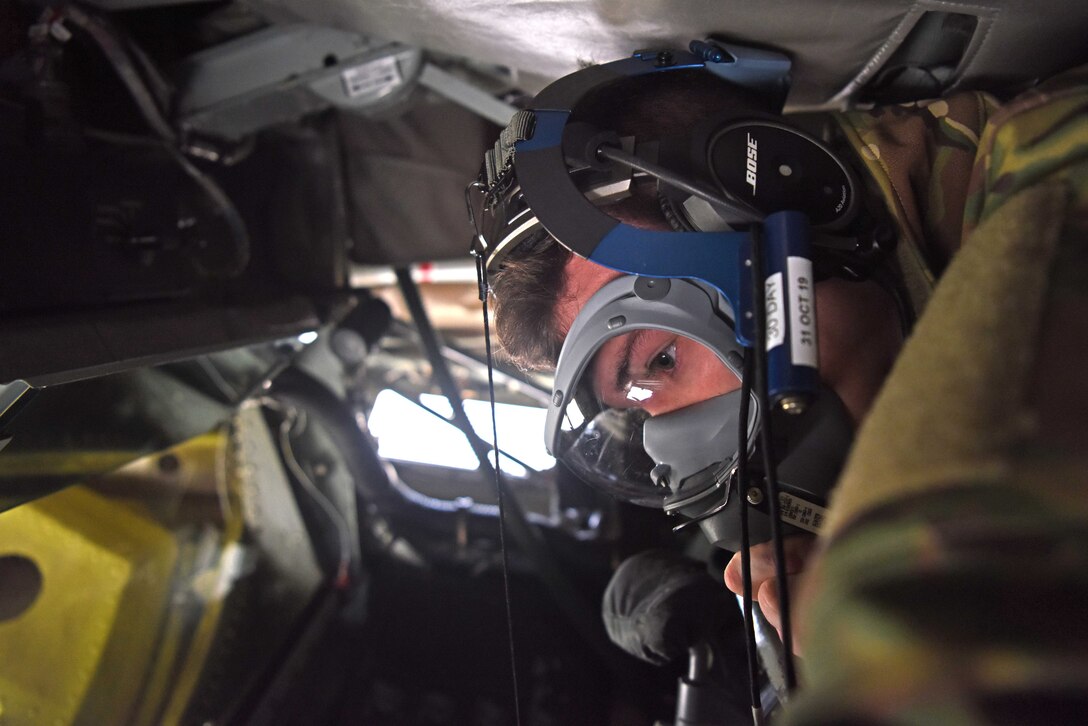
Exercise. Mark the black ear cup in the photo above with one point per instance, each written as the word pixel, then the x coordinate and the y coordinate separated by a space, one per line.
pixel 766 163
pixel 776 167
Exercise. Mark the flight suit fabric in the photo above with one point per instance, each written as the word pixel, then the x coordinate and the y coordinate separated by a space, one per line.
pixel 920 155
pixel 953 577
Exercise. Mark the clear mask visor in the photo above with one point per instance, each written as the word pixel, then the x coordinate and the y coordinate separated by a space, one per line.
pixel 616 429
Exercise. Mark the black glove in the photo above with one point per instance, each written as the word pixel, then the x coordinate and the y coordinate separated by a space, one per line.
pixel 659 603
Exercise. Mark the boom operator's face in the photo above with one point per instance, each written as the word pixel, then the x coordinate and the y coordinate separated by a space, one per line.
pixel 654 370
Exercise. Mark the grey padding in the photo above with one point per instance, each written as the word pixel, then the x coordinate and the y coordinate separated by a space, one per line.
pixel 832 42
pixel 405 178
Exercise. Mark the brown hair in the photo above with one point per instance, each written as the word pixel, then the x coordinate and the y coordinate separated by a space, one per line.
pixel 525 291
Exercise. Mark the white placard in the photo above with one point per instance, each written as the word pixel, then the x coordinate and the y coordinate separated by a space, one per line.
pixel 803 344
pixel 375 78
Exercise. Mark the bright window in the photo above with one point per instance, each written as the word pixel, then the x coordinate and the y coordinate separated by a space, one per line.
pixel 406 432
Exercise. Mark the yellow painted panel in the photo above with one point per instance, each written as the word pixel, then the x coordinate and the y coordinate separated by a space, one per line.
pixel 83 647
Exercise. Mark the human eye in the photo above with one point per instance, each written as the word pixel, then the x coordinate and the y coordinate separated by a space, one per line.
pixel 664 360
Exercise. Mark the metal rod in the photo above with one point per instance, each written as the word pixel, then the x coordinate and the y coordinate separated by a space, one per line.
pixel 583 615
pixel 465 94
pixel 738 211
pixel 440 370
pixel 502 453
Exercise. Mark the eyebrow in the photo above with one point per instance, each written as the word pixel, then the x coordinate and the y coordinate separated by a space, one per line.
pixel 623 368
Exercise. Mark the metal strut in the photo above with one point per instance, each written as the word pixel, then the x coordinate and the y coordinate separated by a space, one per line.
pixel 512 519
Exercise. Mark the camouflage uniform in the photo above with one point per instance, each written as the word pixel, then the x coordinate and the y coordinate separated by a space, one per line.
pixel 952 583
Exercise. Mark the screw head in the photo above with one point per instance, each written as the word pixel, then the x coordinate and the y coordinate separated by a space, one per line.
pixel 794 405
pixel 755 495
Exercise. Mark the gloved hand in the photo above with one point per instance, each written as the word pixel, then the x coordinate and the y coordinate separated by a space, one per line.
pixel 659 603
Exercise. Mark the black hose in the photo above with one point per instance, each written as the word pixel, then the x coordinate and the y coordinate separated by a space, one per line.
pixel 745 554
pixel 770 471
pixel 117 53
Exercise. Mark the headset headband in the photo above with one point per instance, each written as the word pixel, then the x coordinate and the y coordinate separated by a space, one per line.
pixel 531 159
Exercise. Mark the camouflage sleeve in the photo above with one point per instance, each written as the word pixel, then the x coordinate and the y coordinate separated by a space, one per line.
pixel 920 156
pixel 953 581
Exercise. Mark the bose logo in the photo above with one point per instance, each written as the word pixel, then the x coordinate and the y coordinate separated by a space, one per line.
pixel 750 165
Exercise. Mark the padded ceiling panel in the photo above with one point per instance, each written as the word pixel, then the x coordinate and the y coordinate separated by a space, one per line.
pixel 831 41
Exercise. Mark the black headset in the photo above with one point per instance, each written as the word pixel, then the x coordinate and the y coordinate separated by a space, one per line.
pixel 721 174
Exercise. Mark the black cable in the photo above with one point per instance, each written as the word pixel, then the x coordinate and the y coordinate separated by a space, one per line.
pixel 759 304
pixel 221 203
pixel 481 269
pixel 117 54
pixel 157 85
pixel 114 50
pixel 745 554
pixel 224 209
pixel 734 210
pixel 291 416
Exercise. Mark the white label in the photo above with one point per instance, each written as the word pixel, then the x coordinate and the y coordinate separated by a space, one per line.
pixel 776 311
pixel 376 78
pixel 803 346
pixel 801 514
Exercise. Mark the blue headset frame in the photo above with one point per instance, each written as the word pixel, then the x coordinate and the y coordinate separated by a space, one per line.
pixel 720 259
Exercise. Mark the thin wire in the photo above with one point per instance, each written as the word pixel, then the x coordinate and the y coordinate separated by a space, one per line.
pixel 292 416
pixel 766 442
pixel 216 377
pixel 745 553
pixel 481 272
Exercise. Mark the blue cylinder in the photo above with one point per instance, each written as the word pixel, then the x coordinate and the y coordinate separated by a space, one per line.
pixel 792 345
